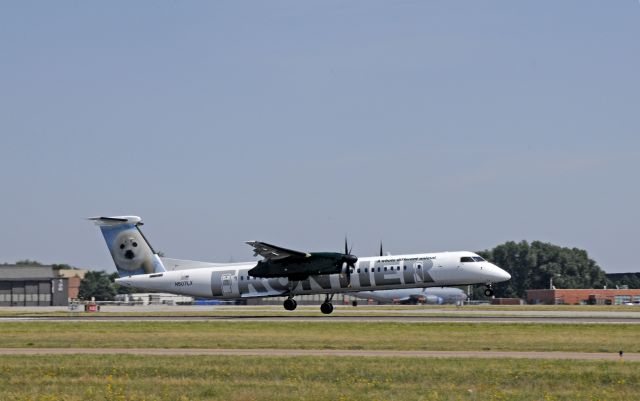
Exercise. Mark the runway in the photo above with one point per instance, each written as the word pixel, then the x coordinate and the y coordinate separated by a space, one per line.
pixel 307 313
pixel 321 353
pixel 336 318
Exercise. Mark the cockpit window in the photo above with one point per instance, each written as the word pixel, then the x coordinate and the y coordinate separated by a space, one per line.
pixel 478 259
pixel 466 259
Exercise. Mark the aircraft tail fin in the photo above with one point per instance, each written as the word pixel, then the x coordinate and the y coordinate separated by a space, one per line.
pixel 130 250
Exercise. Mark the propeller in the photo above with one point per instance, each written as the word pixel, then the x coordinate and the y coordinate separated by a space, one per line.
pixel 382 253
pixel 348 259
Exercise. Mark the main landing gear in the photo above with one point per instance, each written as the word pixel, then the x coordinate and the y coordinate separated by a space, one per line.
pixel 290 304
pixel 326 306
pixel 488 292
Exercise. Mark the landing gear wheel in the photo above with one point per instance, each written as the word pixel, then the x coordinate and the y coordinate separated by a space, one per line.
pixel 326 308
pixel 488 292
pixel 290 304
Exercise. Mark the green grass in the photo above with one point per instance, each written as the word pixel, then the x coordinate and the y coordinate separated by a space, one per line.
pixel 324 335
pixel 147 377
pixel 127 377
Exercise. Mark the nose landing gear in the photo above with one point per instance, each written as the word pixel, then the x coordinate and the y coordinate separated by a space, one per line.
pixel 488 292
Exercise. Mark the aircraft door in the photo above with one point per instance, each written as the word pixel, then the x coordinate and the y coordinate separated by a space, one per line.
pixel 227 284
pixel 418 274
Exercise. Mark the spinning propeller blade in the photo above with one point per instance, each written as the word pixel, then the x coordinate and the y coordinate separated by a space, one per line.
pixel 348 259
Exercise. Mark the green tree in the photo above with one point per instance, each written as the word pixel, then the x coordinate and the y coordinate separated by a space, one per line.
pixel 632 280
pixel 60 266
pixel 120 289
pixel 97 284
pixel 28 262
pixel 533 265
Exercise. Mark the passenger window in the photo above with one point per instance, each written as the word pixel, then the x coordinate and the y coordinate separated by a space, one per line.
pixel 366 270
pixel 419 266
pixel 358 270
pixel 385 268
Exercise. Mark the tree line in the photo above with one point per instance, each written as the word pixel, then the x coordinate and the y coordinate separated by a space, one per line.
pixel 534 265
pixel 100 286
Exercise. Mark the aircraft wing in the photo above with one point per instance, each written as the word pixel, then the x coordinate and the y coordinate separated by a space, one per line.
pixel 272 252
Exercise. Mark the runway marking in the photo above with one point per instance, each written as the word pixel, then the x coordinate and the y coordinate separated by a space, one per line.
pixel 322 353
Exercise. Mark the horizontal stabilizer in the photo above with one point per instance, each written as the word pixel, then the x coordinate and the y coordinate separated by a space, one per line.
pixel 116 220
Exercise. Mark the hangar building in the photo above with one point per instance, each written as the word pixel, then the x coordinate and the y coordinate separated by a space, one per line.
pixel 32 286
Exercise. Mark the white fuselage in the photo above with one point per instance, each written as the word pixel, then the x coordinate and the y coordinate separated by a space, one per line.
pixel 231 281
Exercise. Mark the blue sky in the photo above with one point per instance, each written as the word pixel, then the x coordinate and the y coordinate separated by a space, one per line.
pixel 429 125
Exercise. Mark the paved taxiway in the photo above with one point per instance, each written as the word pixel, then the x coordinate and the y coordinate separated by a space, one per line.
pixel 334 318
pixel 306 313
pixel 311 352
pixel 113 313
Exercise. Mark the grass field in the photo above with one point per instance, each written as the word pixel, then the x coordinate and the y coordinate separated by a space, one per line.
pixel 298 378
pixel 153 377
pixel 324 335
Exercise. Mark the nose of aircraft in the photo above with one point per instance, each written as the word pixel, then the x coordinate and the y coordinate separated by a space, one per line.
pixel 500 274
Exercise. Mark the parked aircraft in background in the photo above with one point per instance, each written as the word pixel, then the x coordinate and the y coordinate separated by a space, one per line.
pixel 413 296
pixel 285 272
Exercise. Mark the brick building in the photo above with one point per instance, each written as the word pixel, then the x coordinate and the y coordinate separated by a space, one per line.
pixel 583 297
pixel 74 277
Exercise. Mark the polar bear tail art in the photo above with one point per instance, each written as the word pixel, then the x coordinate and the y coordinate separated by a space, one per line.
pixel 129 248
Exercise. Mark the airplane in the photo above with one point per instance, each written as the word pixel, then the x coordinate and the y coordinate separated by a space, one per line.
pixel 285 272
pixel 413 296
